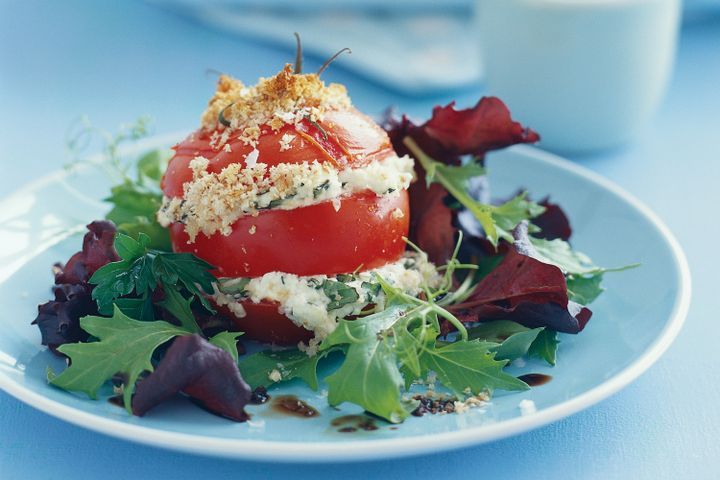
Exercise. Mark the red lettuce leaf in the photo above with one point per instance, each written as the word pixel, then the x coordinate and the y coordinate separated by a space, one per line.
pixel 484 127
pixel 553 222
pixel 97 250
pixel 59 319
pixel 524 289
pixel 433 230
pixel 446 137
pixel 204 372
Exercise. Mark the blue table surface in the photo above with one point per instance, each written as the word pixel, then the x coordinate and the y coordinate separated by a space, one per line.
pixel 116 60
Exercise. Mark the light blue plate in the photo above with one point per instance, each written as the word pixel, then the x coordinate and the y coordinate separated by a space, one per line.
pixel 633 323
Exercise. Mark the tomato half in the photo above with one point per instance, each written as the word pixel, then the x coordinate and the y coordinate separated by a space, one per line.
pixel 264 323
pixel 365 232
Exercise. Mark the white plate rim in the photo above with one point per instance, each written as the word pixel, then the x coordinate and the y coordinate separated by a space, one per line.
pixel 316 452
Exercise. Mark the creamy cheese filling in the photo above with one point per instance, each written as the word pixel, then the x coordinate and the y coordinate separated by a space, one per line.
pixel 212 202
pixel 317 302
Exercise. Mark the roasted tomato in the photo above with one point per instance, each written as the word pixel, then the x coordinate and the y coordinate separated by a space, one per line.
pixel 364 232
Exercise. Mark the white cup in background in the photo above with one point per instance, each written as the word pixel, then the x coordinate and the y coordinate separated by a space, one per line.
pixel 586 74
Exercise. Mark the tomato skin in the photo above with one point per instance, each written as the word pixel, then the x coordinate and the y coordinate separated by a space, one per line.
pixel 264 323
pixel 315 240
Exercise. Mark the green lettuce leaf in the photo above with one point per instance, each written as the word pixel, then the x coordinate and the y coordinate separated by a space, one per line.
pixel 290 364
pixel 468 365
pixel 545 346
pixel 512 339
pixel 125 347
pixel 369 376
pixel 227 341
pixel 584 289
pixel 136 202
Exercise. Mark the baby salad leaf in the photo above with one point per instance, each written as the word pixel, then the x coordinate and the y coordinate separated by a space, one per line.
pixel 129 203
pixel 446 137
pixel 97 250
pixel 495 331
pixel 369 376
pixel 517 345
pixel 201 370
pixel 136 201
pixel 125 347
pixel 584 289
pixel 509 214
pixel 470 364
pixel 59 319
pixel 559 253
pixel 545 346
pixel 485 126
pixel 134 212
pixel 553 223
pixel 514 339
pixel 152 165
pixel 138 308
pixel 496 220
pixel 584 279
pixel 290 364
pixel 228 342
pixel 179 307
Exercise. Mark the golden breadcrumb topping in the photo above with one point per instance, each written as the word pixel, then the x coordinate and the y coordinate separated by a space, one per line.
pixel 276 101
pixel 212 202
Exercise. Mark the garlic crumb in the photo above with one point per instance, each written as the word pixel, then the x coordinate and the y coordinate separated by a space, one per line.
pixel 275 375
pixel 285 141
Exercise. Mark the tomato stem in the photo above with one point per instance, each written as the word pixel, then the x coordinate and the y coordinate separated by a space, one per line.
pixel 332 59
pixel 298 55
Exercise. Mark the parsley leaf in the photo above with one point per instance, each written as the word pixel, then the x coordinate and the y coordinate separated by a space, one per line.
pixel 545 346
pixel 142 269
pixel 186 268
pixel 125 347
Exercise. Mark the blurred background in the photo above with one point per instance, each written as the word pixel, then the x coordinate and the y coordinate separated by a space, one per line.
pixel 115 61
pixel 628 88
